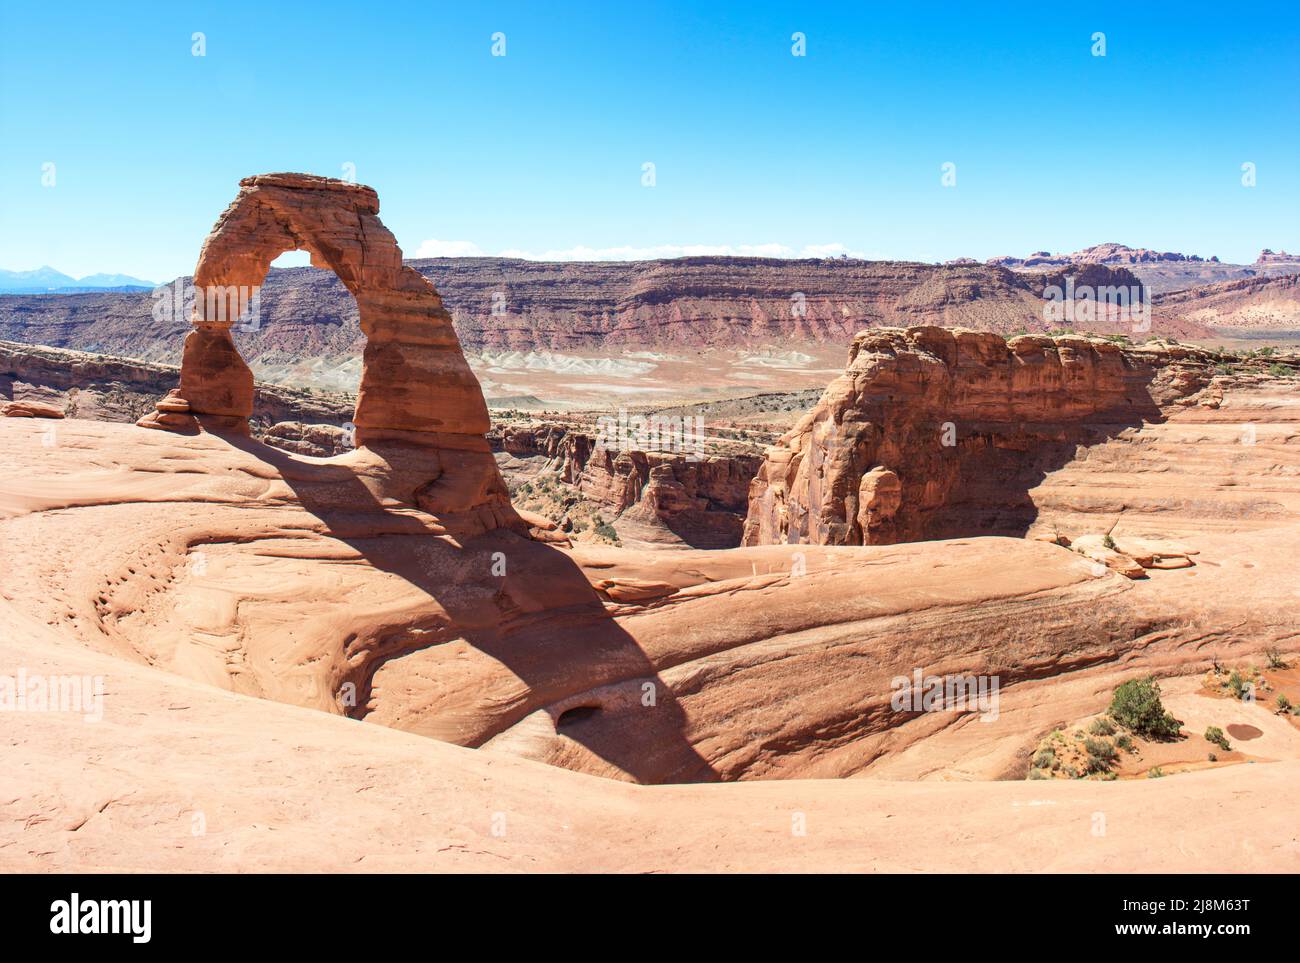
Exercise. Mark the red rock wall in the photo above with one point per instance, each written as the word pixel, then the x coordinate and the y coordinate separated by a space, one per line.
pixel 935 433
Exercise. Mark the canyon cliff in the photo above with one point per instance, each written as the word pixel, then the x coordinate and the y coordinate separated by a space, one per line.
pixel 502 304
pixel 658 497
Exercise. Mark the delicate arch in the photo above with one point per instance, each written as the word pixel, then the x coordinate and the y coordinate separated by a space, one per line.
pixel 414 379
pixel 416 387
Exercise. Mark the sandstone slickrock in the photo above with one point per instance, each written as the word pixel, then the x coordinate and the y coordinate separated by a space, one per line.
pixel 271 575
pixel 31 409
pixel 276 576
pixel 179 565
pixel 285 789
pixel 419 407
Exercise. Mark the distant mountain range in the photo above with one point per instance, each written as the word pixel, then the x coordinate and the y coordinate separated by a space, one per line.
pixel 47 280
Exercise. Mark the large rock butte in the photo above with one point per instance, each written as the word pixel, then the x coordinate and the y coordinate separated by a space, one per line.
pixel 938 433
pixel 419 408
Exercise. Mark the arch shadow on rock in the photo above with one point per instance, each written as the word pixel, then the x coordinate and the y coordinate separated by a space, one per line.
pixel 542 619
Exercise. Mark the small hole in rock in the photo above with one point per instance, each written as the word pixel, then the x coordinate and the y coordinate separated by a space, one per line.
pixel 576 714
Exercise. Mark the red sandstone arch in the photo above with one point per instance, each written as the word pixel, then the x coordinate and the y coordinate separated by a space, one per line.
pixel 415 380
pixel 418 394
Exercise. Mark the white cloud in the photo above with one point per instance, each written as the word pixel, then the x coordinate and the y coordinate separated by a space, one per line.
pixel 435 248
pixel 629 253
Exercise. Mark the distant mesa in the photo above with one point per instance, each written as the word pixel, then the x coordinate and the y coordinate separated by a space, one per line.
pixel 1108 253
pixel 1280 257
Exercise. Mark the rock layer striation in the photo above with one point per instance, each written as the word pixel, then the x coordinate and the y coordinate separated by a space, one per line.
pixel 936 433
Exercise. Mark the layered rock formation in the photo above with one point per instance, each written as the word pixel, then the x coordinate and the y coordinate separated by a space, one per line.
pixel 418 401
pixel 178 566
pixel 932 433
pixel 319 441
pixel 208 576
pixel 699 501
pixel 658 496
pixel 274 576
pixel 1257 304
pixel 106 388
pixel 503 304
pixel 30 409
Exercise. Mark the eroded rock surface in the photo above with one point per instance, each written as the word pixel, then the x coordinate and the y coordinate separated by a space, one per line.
pixel 180 565
pixel 934 433
pixel 101 387
pixel 417 391
pixel 658 497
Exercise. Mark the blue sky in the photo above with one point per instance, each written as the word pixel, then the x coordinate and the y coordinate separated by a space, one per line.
pixel 542 150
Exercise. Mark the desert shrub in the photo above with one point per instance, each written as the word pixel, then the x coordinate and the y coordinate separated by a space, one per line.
pixel 1044 758
pixel 1213 758
pixel 1237 685
pixel 1124 741
pixel 606 530
pixel 1038 774
pixel 1100 754
pixel 1215 735
pixel 1275 660
pixel 1137 707
pixel 1279 370
pixel 1283 703
pixel 1102 727
pixel 1108 542
pixel 1155 773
